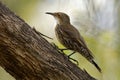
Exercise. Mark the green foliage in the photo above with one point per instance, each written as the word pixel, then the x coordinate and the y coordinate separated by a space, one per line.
pixel 23 8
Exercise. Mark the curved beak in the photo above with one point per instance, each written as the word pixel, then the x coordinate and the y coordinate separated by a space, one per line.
pixel 49 13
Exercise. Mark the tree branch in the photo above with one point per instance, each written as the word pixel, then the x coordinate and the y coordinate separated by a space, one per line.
pixel 28 56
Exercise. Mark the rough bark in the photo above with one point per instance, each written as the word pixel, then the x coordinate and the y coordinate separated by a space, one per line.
pixel 26 55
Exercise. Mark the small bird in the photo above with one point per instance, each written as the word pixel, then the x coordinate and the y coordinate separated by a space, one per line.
pixel 70 37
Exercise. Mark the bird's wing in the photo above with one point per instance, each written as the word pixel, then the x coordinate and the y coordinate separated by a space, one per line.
pixel 73 34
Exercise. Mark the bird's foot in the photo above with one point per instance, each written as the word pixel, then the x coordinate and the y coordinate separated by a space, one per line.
pixel 77 63
pixel 60 50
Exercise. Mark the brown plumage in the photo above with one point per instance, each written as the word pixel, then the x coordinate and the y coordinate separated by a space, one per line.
pixel 69 36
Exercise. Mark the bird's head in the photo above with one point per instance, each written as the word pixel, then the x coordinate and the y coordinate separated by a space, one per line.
pixel 60 17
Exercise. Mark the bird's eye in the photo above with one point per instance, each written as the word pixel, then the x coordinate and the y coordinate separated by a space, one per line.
pixel 58 15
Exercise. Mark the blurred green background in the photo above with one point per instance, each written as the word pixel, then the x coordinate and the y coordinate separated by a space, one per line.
pixel 97 20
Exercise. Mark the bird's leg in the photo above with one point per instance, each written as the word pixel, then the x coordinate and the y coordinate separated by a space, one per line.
pixel 71 54
pixel 72 58
pixel 55 46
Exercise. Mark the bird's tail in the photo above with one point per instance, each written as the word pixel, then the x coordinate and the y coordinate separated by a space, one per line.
pixel 98 68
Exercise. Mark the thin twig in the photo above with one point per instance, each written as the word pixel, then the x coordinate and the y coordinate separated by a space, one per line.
pixel 41 34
